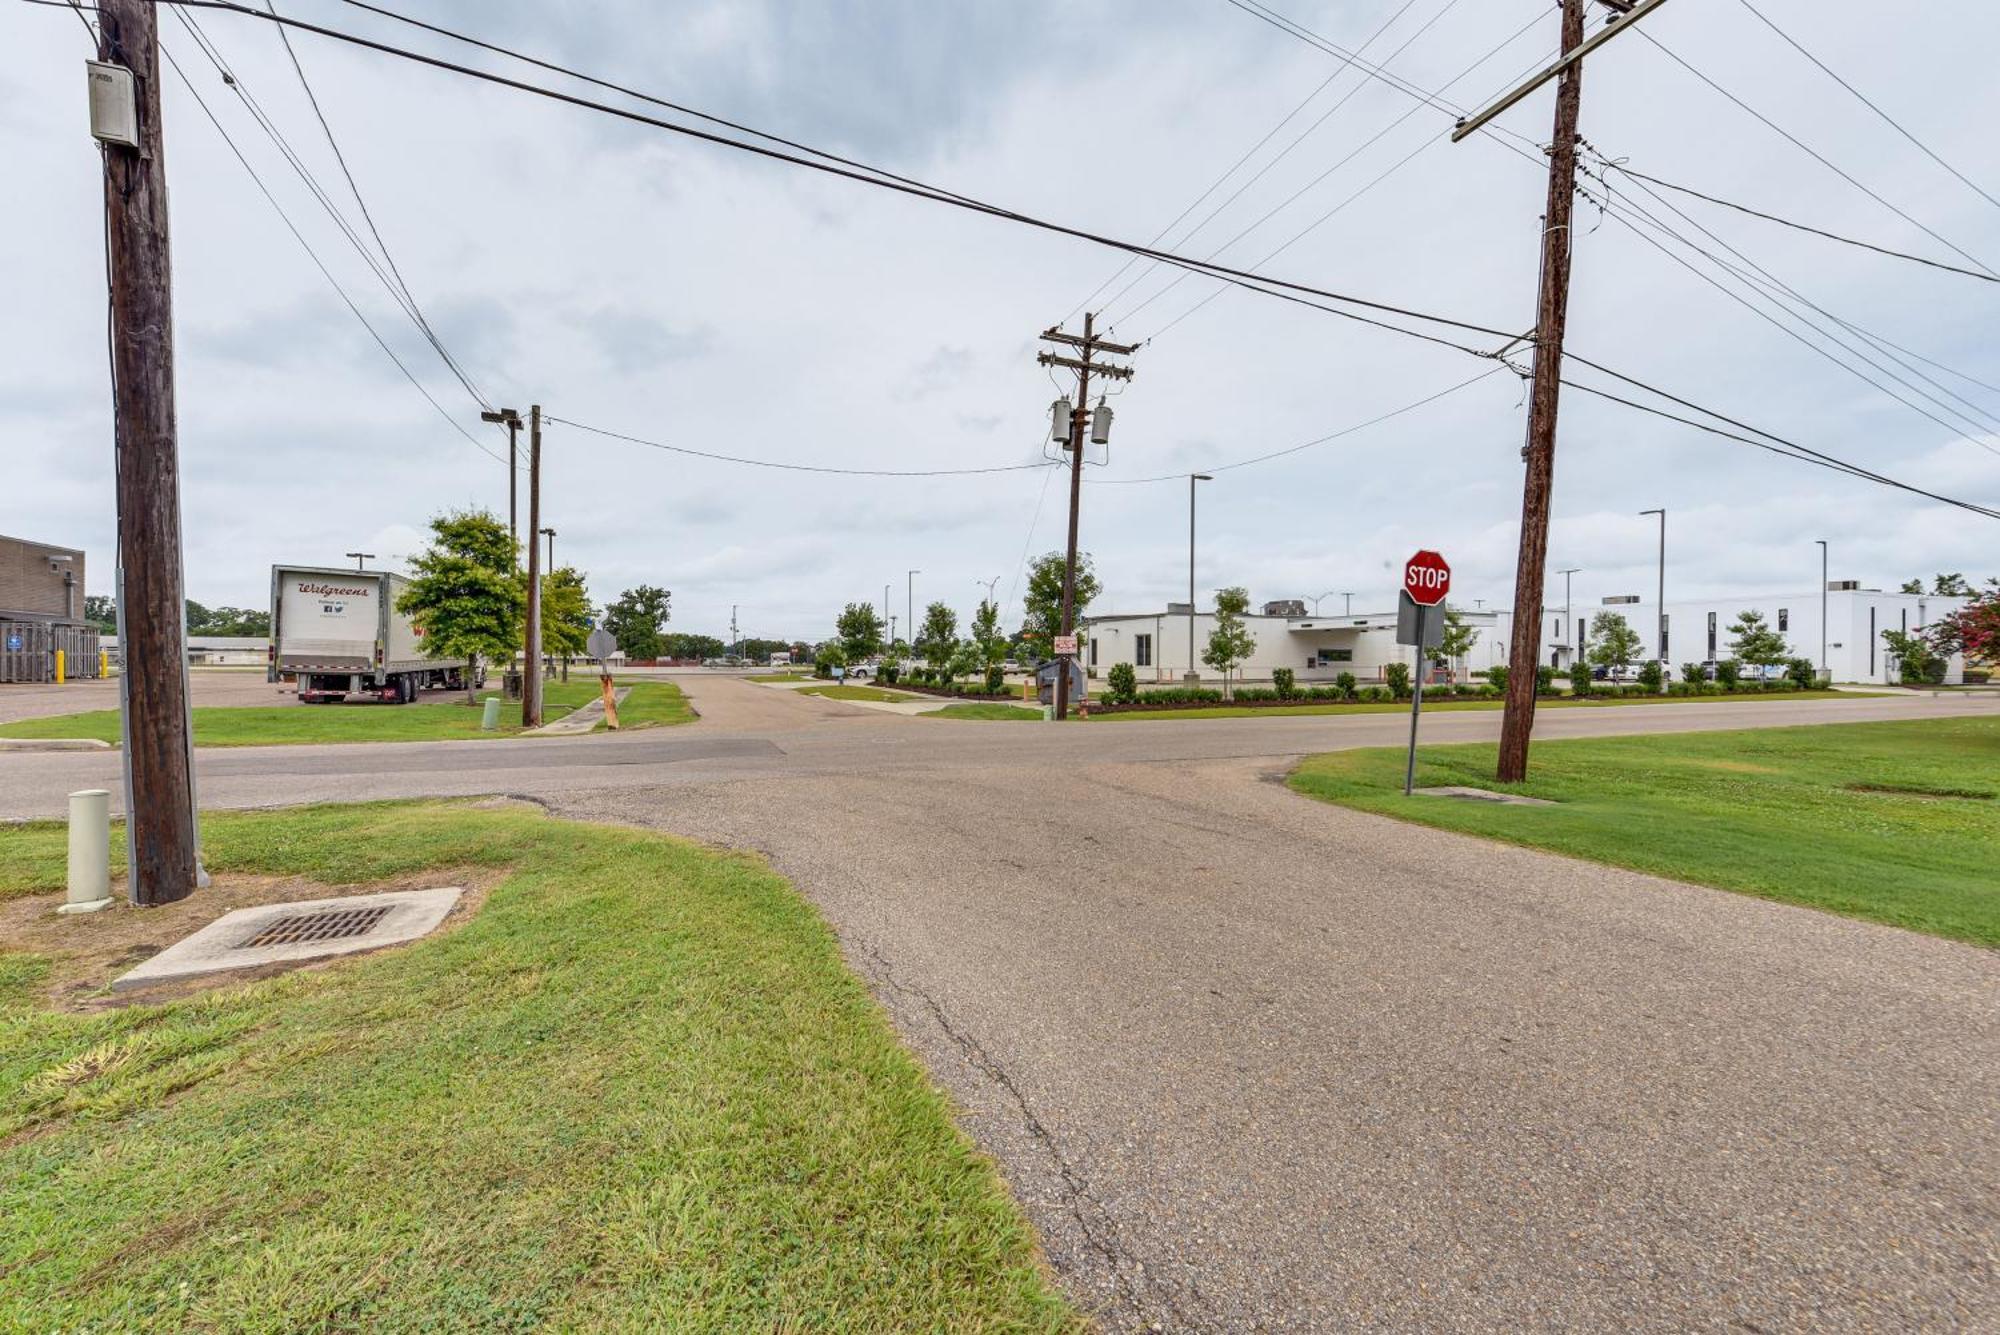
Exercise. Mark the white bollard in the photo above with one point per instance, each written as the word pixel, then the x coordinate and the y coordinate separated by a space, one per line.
pixel 89 852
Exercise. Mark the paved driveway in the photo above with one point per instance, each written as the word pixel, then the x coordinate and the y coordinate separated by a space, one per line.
pixel 1254 1062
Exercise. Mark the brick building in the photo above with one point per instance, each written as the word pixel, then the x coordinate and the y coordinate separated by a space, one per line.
pixel 41 611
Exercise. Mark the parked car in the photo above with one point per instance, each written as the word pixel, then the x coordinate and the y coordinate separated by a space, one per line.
pixel 865 670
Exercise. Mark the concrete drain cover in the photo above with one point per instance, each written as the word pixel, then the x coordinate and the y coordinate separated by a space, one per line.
pixel 289 933
pixel 335 926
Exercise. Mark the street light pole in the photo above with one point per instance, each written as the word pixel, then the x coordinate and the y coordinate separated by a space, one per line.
pixel 1193 478
pixel 1347 608
pixel 1319 596
pixel 360 558
pixel 1569 618
pixel 910 602
pixel 510 419
pixel 1824 666
pixel 1660 639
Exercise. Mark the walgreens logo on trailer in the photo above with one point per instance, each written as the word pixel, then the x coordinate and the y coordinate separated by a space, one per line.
pixel 336 590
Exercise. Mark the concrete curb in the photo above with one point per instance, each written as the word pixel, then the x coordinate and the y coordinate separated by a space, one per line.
pixel 53 744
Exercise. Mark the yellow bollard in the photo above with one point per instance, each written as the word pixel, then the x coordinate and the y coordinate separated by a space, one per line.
pixel 59 667
pixel 103 662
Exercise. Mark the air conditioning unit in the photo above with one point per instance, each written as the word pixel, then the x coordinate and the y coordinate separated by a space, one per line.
pixel 1843 585
pixel 1618 598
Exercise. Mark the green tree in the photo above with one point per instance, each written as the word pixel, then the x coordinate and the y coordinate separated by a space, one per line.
pixel 1231 642
pixel 1614 643
pixel 1756 643
pixel 860 628
pixel 937 638
pixel 101 612
pixel 1457 641
pixel 566 613
pixel 636 619
pixel 1973 630
pixel 1918 664
pixel 463 592
pixel 1913 586
pixel 1043 600
pixel 1950 585
pixel 989 645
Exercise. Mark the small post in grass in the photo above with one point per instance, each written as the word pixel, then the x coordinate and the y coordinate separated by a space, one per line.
pixel 89 851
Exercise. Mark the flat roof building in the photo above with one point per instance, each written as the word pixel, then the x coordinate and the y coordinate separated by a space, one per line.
pixel 40 581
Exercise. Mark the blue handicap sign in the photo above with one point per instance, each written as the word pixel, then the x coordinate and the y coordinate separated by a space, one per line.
pixel 13 642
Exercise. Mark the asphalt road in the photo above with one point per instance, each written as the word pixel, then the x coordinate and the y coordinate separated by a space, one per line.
pixel 1252 1062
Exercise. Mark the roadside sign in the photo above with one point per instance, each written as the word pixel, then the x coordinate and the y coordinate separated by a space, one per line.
pixel 1426 578
pixel 602 644
pixel 1065 644
pixel 1413 626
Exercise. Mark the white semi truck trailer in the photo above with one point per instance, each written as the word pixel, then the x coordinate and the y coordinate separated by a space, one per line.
pixel 338 633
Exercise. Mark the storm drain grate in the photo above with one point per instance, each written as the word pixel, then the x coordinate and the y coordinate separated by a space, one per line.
pixel 336 925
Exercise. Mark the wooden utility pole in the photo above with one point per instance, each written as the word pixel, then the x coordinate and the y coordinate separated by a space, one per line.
pixel 152 608
pixel 1079 420
pixel 1551 314
pixel 531 678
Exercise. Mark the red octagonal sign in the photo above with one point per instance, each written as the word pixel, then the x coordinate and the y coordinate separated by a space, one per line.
pixel 1427 579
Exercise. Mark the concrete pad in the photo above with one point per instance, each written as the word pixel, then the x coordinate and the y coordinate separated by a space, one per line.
pixel 53 744
pixel 1485 795
pixel 219 947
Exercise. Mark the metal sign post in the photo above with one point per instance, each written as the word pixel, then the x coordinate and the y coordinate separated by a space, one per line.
pixel 601 645
pixel 1426 581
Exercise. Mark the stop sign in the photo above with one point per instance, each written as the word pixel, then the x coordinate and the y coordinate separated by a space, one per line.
pixel 1427 579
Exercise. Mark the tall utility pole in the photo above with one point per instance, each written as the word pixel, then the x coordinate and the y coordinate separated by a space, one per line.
pixel 1193 672
pixel 152 611
pixel 512 421
pixel 1660 630
pixel 910 601
pixel 1079 417
pixel 1823 666
pixel 735 643
pixel 531 679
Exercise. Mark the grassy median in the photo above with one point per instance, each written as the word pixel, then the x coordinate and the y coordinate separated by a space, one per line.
pixel 990 710
pixel 639 1090
pixel 1449 704
pixel 1893 822
pixel 651 703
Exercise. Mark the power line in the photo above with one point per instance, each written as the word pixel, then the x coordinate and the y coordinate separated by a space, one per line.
pixel 1814 153
pixel 416 311
pixel 1864 100
pixel 790 467
pixel 317 262
pixel 1235 166
pixel 1804 227
pixel 1302 136
pixel 1306 445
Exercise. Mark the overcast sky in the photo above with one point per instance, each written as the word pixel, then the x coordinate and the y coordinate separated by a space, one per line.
pixel 664 288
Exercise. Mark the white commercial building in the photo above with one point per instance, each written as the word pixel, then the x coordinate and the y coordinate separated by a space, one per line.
pixel 1697 629
pixel 1315 648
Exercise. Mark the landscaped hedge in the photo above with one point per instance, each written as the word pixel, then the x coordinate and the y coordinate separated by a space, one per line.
pixel 959 690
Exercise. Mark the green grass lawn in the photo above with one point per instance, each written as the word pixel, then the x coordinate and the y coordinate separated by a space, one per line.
pixel 857 693
pixel 1794 814
pixel 779 676
pixel 1403 707
pixel 638 1091
pixel 654 702
pixel 985 709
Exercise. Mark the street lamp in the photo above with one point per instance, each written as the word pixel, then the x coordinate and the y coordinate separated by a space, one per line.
pixel 510 419
pixel 1660 646
pixel 1347 608
pixel 1192 673
pixel 550 534
pixel 360 557
pixel 1318 596
pixel 1569 616
pixel 910 602
pixel 1824 666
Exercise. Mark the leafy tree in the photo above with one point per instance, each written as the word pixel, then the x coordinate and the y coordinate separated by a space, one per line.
pixel 937 638
pixel 1615 644
pixel 1913 586
pixel 1457 641
pixel 964 660
pixel 1231 642
pixel 1754 642
pixel 989 645
pixel 1124 684
pixel 860 628
pixel 1951 585
pixel 1973 630
pixel 225 620
pixel 101 612
pixel 829 657
pixel 1918 664
pixel 1043 600
pixel 635 621
pixel 697 647
pixel 566 613
pixel 464 593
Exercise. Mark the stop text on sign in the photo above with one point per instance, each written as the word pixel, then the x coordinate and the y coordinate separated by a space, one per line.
pixel 1427 578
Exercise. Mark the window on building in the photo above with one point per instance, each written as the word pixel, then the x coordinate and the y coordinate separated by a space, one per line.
pixel 1142 651
pixel 1663 637
pixel 1784 618
pixel 1093 651
pixel 1559 628
pixel 1711 635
